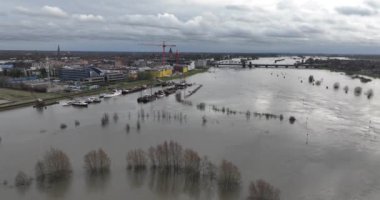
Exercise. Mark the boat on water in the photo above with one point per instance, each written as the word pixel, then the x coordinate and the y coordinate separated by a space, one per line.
pixel 96 100
pixel 68 103
pixel 182 85
pixel 93 100
pixel 114 94
pixel 78 103
pixel 125 91
pixel 170 91
pixel 146 98
pixel 89 100
pixel 40 103
pixel 159 94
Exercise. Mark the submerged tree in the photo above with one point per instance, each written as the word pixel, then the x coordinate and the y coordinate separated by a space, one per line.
pixel 115 117
pixel 138 125
pixel 208 169
pixel 336 85
pixel 22 179
pixel 369 93
pixel 55 166
pixel 127 128
pixel 97 162
pixel 201 106
pixel 63 126
pixel 346 89
pixel 105 119
pixel 229 175
pixel 292 119
pixel 191 161
pixel 136 159
pixel 358 91
pixel 262 190
pixel 311 79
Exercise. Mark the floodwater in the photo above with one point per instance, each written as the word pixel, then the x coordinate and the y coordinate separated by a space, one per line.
pixel 332 151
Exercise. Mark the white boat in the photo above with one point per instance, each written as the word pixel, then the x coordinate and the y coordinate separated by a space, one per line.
pixel 160 95
pixel 116 93
pixel 68 103
pixel 96 100
pixel 79 104
pixel 89 100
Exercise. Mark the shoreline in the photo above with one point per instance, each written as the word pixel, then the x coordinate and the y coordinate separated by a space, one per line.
pixel 60 96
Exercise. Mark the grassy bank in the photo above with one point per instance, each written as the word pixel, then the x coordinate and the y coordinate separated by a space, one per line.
pixel 21 98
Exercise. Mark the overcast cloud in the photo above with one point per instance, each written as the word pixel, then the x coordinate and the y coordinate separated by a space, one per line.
pixel 295 26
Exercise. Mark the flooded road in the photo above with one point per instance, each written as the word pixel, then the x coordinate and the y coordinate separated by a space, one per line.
pixel 332 151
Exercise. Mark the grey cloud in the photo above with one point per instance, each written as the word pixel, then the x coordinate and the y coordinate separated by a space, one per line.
pixel 203 25
pixel 373 4
pixel 285 33
pixel 237 8
pixel 359 11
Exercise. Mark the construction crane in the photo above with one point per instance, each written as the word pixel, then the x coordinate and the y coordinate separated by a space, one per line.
pixel 163 45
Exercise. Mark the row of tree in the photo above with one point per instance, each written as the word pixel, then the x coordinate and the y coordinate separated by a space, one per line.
pixel 168 157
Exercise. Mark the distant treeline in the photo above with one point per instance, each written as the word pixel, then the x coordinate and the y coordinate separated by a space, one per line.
pixel 350 67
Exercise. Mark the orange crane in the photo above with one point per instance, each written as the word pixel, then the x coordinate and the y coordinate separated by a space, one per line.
pixel 163 45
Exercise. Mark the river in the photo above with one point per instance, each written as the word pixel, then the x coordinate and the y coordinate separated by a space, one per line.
pixel 332 151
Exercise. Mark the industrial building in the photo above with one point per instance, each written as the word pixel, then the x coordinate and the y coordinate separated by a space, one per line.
pixel 78 73
pixel 114 76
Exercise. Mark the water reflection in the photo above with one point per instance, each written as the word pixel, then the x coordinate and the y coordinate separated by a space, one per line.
pixel 55 189
pixel 98 182
pixel 171 184
pixel 231 193
pixel 22 190
pixel 136 177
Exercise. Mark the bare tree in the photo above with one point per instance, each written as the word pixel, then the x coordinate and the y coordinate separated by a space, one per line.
pixel 97 162
pixel 191 161
pixel 208 169
pixel 136 159
pixel 55 166
pixel 22 179
pixel 229 175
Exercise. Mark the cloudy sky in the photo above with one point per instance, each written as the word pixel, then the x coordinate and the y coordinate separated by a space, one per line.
pixel 295 26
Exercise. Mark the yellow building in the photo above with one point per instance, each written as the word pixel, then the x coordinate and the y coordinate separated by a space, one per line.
pixel 161 72
pixel 181 69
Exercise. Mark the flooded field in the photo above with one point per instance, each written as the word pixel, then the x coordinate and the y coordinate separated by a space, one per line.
pixel 331 151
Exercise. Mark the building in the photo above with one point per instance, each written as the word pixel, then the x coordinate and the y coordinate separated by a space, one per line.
pixel 5 67
pixel 181 68
pixel 200 63
pixel 95 79
pixel 160 72
pixel 78 73
pixel 114 76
